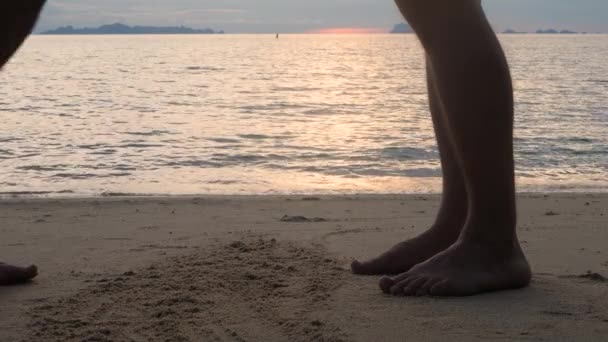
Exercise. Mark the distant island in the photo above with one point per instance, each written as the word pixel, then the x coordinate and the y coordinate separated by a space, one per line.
pixel 402 28
pixel 553 31
pixel 126 29
pixel 541 31
pixel 511 31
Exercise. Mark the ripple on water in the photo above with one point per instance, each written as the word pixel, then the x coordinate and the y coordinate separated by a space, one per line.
pixel 224 140
pixel 404 153
pixel 255 136
pixel 42 167
pixel 106 152
pixel 194 163
pixel 154 132
pixel 204 68
pixel 139 145
pixel 84 176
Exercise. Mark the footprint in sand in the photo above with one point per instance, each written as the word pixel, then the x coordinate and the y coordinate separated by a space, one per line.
pixel 251 290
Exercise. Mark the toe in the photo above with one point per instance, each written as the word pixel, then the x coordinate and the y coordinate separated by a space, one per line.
pixel 399 287
pixel 360 268
pixel 412 288
pixel 386 264
pixel 10 275
pixel 424 289
pixel 356 267
pixel 370 267
pixel 402 277
pixel 30 272
pixel 386 283
pixel 440 289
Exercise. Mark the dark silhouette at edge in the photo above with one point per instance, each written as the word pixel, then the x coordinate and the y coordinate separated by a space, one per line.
pixel 17 19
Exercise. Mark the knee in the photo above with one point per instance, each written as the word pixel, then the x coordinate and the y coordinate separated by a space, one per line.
pixel 417 10
pixel 428 16
pixel 419 6
pixel 409 7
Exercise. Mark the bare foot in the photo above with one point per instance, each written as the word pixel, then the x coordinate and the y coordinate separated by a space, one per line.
pixel 11 275
pixel 466 268
pixel 405 255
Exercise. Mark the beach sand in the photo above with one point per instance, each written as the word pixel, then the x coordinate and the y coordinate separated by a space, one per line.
pixel 275 268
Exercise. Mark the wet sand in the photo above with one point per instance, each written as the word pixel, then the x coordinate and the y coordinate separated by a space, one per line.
pixel 275 268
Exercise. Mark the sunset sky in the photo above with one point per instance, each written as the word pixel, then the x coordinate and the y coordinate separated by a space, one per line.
pixel 247 16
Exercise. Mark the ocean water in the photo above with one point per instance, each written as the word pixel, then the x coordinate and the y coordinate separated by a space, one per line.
pixel 250 114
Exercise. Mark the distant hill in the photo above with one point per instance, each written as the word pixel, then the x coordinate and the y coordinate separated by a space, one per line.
pixel 553 31
pixel 126 29
pixel 542 31
pixel 511 31
pixel 402 28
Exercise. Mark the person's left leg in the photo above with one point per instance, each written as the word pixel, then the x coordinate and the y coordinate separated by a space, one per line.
pixel 17 19
pixel 452 212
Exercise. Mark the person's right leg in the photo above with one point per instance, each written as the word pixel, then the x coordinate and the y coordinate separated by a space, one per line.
pixel 452 211
pixel 17 19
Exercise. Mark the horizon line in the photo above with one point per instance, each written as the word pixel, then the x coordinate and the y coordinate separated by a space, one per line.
pixel 327 30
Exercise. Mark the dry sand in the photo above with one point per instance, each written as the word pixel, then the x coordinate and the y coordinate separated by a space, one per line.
pixel 264 268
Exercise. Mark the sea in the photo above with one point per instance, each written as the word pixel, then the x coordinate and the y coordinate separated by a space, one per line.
pixel 302 114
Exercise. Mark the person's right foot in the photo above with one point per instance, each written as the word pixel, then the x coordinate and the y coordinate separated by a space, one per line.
pixel 12 275
pixel 405 255
pixel 468 267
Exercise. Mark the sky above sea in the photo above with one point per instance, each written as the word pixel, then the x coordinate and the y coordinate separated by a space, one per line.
pixel 262 16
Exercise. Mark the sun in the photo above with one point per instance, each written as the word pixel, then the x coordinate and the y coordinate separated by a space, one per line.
pixel 347 30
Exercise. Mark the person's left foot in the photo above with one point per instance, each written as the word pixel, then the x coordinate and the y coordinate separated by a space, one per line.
pixel 12 275
pixel 466 268
pixel 405 255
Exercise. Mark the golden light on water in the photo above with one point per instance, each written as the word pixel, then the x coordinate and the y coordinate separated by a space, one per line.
pixel 348 30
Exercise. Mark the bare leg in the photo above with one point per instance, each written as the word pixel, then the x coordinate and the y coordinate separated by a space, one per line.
pixel 450 218
pixel 476 97
pixel 17 18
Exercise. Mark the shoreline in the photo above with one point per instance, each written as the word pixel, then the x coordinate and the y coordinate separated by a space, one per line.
pixel 221 266
pixel 67 195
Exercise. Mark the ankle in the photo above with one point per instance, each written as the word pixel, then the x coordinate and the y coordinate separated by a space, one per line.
pixel 445 234
pixel 453 222
pixel 498 239
pixel 494 228
pixel 451 217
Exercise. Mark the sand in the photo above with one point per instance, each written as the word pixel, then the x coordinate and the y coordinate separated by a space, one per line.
pixel 272 268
